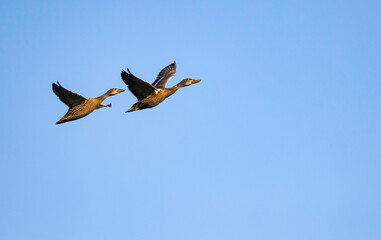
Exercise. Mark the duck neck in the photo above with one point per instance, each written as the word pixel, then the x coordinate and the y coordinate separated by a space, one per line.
pixel 172 90
pixel 177 87
pixel 103 97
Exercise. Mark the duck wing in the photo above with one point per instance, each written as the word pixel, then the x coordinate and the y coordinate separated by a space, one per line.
pixel 141 89
pixel 165 75
pixel 70 98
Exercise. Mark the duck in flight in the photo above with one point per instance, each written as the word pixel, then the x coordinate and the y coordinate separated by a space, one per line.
pixel 150 95
pixel 80 106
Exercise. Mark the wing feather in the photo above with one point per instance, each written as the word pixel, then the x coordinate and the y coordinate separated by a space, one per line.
pixel 70 98
pixel 141 89
pixel 165 75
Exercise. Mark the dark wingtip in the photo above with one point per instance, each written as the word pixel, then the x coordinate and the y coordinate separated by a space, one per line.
pixel 56 84
pixel 109 105
pixel 54 87
pixel 123 74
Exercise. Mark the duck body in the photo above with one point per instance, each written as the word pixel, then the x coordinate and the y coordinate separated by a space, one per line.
pixel 152 100
pixel 81 110
pixel 151 95
pixel 80 106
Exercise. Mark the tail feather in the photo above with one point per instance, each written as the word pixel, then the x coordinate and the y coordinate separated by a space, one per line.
pixel 62 120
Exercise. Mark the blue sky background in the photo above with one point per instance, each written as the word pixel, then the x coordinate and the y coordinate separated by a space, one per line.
pixel 280 140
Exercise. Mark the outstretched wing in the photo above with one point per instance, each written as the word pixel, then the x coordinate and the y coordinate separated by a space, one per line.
pixel 165 75
pixel 70 98
pixel 138 87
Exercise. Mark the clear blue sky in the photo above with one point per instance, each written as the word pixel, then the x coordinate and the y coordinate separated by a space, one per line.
pixel 280 140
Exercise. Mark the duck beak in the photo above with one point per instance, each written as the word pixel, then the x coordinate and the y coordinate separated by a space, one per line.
pixel 196 80
pixel 121 90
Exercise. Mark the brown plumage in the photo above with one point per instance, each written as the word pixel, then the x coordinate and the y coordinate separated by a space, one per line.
pixel 80 106
pixel 150 95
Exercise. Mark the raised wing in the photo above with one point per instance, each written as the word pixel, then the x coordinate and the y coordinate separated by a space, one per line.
pixel 70 98
pixel 141 89
pixel 165 75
